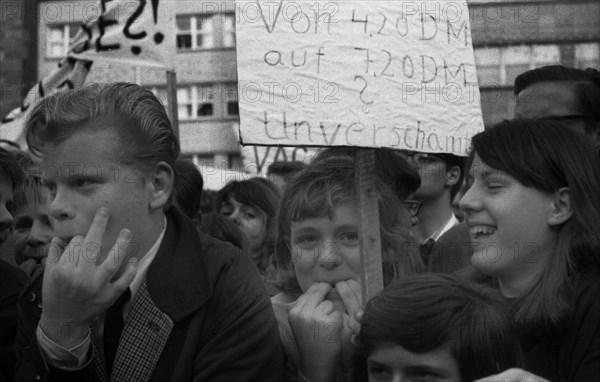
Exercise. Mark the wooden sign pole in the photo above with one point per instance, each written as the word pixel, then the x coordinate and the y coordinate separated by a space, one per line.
pixel 172 99
pixel 369 238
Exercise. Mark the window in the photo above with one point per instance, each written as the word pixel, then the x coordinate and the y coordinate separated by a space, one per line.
pixel 500 66
pixel 229 30
pixel 587 55
pixel 205 31
pixel 487 61
pixel 230 96
pixel 195 101
pixel 517 59
pixel 205 100
pixel 59 38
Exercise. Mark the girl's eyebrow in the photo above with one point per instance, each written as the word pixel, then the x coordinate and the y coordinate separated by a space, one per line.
pixel 347 227
pixel 303 230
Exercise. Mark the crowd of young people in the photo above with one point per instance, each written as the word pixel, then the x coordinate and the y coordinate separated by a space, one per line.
pixel 121 277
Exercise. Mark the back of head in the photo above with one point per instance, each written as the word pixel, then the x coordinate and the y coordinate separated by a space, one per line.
pixel 128 110
pixel 586 84
pixel 188 187
pixel 424 312
pixel 390 168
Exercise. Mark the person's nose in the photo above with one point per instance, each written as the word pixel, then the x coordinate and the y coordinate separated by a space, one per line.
pixel 235 217
pixel 470 201
pixel 60 205
pixel 39 235
pixel 330 255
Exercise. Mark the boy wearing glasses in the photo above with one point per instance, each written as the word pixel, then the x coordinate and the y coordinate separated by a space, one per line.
pixel 445 243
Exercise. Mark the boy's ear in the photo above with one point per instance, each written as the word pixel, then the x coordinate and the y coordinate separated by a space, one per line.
pixel 163 184
pixel 452 175
pixel 561 207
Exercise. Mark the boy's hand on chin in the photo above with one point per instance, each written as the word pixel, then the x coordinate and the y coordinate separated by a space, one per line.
pixel 317 328
pixel 76 289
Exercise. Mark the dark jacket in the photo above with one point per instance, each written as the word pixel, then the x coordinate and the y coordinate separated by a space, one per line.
pixel 12 280
pixel 452 251
pixel 202 314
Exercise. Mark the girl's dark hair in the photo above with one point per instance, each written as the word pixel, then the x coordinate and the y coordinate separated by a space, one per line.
pixel 261 194
pixel 547 156
pixel 424 312
pixel 218 226
pixel 319 189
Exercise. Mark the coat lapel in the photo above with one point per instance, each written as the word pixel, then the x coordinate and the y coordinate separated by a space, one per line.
pixel 100 374
pixel 144 336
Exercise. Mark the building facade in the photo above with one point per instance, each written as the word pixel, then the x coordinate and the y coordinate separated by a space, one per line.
pixel 509 37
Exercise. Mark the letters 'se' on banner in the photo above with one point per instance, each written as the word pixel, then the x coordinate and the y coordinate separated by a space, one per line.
pixel 396 74
pixel 140 33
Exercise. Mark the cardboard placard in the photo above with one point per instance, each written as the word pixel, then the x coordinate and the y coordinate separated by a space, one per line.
pixel 393 74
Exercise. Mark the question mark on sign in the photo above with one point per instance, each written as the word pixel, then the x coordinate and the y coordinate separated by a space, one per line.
pixel 158 37
pixel 363 90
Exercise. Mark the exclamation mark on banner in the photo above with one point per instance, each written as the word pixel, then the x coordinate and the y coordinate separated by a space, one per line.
pixel 158 36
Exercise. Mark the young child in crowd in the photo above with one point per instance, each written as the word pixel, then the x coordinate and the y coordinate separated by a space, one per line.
pixel 534 212
pixel 435 327
pixel 318 256
pixel 252 205
pixel 131 291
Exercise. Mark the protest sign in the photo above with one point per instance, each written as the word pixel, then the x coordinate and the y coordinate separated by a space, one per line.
pixel 396 74
pixel 70 74
pixel 140 32
pixel 130 32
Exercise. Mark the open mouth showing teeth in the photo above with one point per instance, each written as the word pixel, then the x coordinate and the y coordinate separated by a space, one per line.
pixel 482 231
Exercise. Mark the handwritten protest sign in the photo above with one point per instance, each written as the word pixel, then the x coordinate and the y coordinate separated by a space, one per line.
pixel 395 74
pixel 138 32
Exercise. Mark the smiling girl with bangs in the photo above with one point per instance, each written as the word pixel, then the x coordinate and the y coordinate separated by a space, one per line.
pixel 318 255
pixel 534 213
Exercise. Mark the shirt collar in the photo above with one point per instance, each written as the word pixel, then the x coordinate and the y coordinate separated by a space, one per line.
pixel 449 224
pixel 145 261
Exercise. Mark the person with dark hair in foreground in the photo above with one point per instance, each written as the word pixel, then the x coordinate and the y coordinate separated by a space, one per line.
pixel 437 327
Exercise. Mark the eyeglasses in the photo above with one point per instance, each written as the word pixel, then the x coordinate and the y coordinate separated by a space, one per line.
pixel 420 158
pixel 412 206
